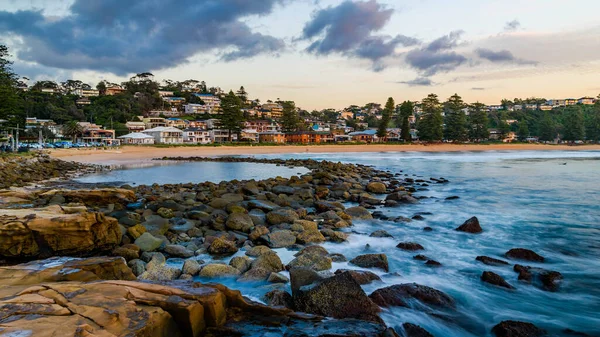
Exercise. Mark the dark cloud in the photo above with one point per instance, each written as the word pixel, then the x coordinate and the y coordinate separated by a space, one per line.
pixel 512 25
pixel 502 56
pixel 133 36
pixel 437 56
pixel 419 82
pixel 348 29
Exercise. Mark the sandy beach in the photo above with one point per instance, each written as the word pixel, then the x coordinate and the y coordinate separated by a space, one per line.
pixel 139 154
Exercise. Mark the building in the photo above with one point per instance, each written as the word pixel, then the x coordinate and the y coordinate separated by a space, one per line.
pixel 174 101
pixel 135 126
pixel 177 123
pixel 546 107
pixel 115 90
pixel 137 138
pixel 272 137
pixel 303 137
pixel 249 135
pixel 198 124
pixel 83 101
pixel 93 133
pixel 196 136
pixel 198 109
pixel 275 110
pixel 587 100
pixel 221 136
pixel 50 91
pixel 165 93
pixel 154 122
pixel 261 125
pixel 556 102
pixel 165 135
pixel 570 101
pixel 86 92
pixel 347 114
pixel 368 136
pixel 33 123
pixel 212 102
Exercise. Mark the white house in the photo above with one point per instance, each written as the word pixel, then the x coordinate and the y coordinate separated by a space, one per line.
pixel 196 136
pixel 165 135
pixel 137 138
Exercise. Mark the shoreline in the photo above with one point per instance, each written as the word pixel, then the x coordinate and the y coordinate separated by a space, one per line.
pixel 140 154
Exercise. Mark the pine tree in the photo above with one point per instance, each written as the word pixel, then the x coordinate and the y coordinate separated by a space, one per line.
pixel 231 116
pixel 523 132
pixel 242 94
pixel 290 121
pixel 386 117
pixel 574 128
pixel 10 104
pixel 430 124
pixel 478 122
pixel 547 128
pixel 593 124
pixel 456 119
pixel 406 110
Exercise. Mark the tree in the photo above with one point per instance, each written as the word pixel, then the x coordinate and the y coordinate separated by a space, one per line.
pixel 456 119
pixel 478 122
pixel 386 117
pixel 72 130
pixel 101 87
pixel 430 125
pixel 547 128
pixel 290 122
pixel 523 132
pixel 593 124
pixel 231 116
pixel 406 110
pixel 242 94
pixel 11 107
pixel 574 127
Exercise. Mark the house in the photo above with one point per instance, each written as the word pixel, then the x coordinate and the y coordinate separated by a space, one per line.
pixel 83 101
pixel 556 102
pixel 347 114
pixel 368 136
pixel 165 93
pixel 33 123
pixel 221 136
pixel 115 90
pixel 587 100
pixel 546 107
pixel 135 126
pixel 211 102
pixel 86 92
pixel 93 133
pixel 510 137
pixel 570 101
pixel 154 122
pixel 196 136
pixel 197 109
pixel 393 135
pixel 495 107
pixel 176 123
pixel 275 109
pixel 342 138
pixel 272 137
pixel 303 137
pixel 261 125
pixel 249 135
pixel 137 138
pixel 165 135
pixel 174 101
pixel 198 124
pixel 50 91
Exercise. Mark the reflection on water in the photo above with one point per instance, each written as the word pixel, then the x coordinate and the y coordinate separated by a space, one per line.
pixel 175 173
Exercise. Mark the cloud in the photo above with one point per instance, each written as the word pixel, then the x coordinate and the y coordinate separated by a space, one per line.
pixel 477 89
pixel 419 82
pixel 348 29
pixel 502 56
pixel 437 56
pixel 512 25
pixel 142 36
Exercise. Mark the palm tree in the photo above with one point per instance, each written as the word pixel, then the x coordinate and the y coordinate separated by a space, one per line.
pixel 72 129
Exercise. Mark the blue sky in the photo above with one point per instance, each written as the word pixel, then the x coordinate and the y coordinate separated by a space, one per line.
pixel 319 53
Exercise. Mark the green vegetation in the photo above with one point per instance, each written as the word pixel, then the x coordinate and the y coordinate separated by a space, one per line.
pixel 386 117
pixel 430 125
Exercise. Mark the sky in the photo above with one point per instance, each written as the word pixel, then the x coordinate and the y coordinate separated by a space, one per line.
pixel 319 53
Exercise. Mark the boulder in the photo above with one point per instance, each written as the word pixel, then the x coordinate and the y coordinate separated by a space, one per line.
pixel 310 236
pixel 258 251
pixel 360 276
pixel 335 236
pixel 279 298
pixel 241 263
pixel 376 187
pixel 491 261
pixel 381 234
pixel 413 330
pixel 359 212
pixel 545 279
pixel 315 249
pixel 372 261
pixel 191 267
pixel 401 294
pixel 524 254
pixel 269 262
pixel 279 239
pixel 259 218
pixel 222 247
pixel 45 232
pixel 300 277
pixel 158 270
pixel 517 329
pixel 240 222
pixel 128 252
pixel 136 231
pixel 277 278
pixel 339 296
pixel 148 243
pixel 401 197
pixel 93 197
pixel 137 267
pixel 166 213
pixel 218 270
pixel 178 251
pixel 258 232
pixel 316 262
pixel 410 246
pixel 495 279
pixel 470 226
pixel 263 205
pixel 254 274
pixel 282 189
pixel 282 215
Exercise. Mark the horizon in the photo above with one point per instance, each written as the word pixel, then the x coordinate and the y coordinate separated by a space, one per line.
pixel 324 54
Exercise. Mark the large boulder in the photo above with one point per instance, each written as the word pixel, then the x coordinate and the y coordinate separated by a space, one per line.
pixel 158 270
pixel 45 232
pixel 339 296
pixel 409 246
pixel 240 222
pixel 360 276
pixel 401 197
pixel 490 261
pixel 495 279
pixel 376 187
pixel 279 298
pixel 524 254
pixel 549 280
pixel 269 262
pixel 400 295
pixel 95 197
pixel 221 246
pixel 279 239
pixel 371 261
pixel 148 243
pixel 316 262
pixel 517 329
pixel 218 270
pixel 282 215
pixel 470 226
pixel 359 212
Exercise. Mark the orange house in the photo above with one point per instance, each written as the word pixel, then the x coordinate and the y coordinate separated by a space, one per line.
pixel 272 137
pixel 303 137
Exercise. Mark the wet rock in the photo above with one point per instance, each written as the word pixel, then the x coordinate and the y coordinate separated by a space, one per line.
pixel 381 234
pixel 324 206
pixel 137 266
pixel 491 261
pixel 371 261
pixel 136 231
pixel 263 205
pixel 279 298
pixel 277 278
pixel 360 276
pixel 279 239
pixel 334 236
pixel 427 229
pixel 282 189
pixel 470 226
pixel 418 217
pixel 157 270
pixel 254 275
pixel 148 243
pixel 359 212
pixel 545 279
pixel 336 257
pixel 178 251
pixel 410 246
pixel 222 247
pixel 376 187
pixel 283 215
pixel 218 270
pixel 401 197
pixel 258 232
pixel 240 222
pixel 128 252
pixel 318 250
pixel 300 277
pixel 453 197
pixel 269 262
pixel 421 257
pixel 166 213
pixel 413 330
pixel 259 250
pixel 339 296
pixel 524 254
pixel 313 261
pixel 517 329
pixel 191 267
pixel 259 218
pixel 495 279
pixel 401 294
pixel 433 263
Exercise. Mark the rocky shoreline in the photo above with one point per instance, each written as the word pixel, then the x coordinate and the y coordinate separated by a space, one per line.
pixel 145 226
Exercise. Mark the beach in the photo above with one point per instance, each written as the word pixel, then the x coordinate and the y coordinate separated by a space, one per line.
pixel 139 154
